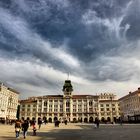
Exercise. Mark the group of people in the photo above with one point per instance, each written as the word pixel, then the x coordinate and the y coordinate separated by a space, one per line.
pixel 23 126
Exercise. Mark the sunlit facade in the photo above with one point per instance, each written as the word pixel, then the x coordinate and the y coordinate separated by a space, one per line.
pixel 8 103
pixel 130 106
pixel 74 108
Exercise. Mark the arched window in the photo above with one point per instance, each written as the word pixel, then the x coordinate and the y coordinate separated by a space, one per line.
pixel 90 103
pixel 45 103
pixel 67 104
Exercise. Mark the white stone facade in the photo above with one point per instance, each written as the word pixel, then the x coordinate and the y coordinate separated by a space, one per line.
pixel 8 103
pixel 82 108
pixel 130 106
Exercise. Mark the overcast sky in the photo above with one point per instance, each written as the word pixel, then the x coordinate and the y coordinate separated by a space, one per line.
pixel 96 41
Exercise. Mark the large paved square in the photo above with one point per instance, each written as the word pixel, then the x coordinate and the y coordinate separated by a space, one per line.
pixel 76 132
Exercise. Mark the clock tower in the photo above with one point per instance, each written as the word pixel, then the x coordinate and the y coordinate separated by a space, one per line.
pixel 67 88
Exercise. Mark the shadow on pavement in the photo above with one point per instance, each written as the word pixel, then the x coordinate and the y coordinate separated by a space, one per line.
pixel 85 132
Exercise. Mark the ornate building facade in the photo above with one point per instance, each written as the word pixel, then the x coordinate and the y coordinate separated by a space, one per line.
pixel 109 109
pixel 130 106
pixel 8 103
pixel 81 108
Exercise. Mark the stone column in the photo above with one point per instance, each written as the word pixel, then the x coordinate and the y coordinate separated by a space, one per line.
pixel 47 109
pixel 82 111
pixel 64 108
pixel 77 109
pixel 37 110
pixel 71 109
pixel 42 107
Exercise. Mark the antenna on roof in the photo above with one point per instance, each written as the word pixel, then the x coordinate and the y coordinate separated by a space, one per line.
pixel 68 76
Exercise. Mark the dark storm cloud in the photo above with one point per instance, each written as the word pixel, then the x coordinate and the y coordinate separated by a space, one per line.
pixel 91 39
pixel 56 22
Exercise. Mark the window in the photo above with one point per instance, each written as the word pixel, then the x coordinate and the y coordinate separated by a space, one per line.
pixel 28 105
pixel 61 106
pixel 28 114
pixel 45 103
pixel 90 103
pixel 79 110
pixel 108 109
pixel 74 110
pixel 74 106
pixel 102 109
pixel 79 106
pixel 102 114
pixel 113 109
pixel 74 100
pixel 61 109
pixel 107 105
pixel 74 114
pixel 90 109
pixel 67 110
pixel 45 109
pixel 67 104
pixel 61 114
pixel 60 101
pixel 85 106
pixel 102 105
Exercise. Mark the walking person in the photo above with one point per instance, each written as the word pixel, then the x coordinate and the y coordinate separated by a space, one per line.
pixel 34 130
pixel 25 127
pixel 17 128
pixel 39 123
pixel 66 122
pixel 97 123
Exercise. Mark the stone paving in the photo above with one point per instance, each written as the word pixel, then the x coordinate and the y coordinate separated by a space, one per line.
pixel 76 131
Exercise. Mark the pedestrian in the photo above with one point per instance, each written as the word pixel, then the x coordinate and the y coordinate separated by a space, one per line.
pixel 17 128
pixel 34 130
pixel 25 127
pixel 39 123
pixel 65 122
pixel 97 123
